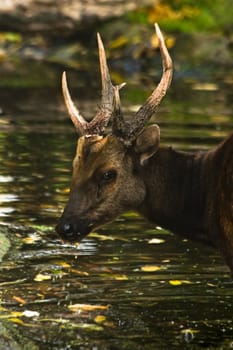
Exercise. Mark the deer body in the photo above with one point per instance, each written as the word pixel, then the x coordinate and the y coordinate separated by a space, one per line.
pixel 190 194
pixel 185 193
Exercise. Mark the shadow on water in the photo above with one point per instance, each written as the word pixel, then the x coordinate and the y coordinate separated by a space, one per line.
pixel 129 286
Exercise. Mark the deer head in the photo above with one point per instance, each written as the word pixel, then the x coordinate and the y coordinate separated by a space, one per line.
pixel 106 177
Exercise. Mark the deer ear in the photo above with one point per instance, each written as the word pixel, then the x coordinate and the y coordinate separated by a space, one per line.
pixel 147 143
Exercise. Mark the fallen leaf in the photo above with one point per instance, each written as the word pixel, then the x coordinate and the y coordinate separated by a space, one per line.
pixel 150 268
pixel 156 241
pixel 179 282
pixel 100 319
pixel 30 313
pixel 40 277
pixel 121 277
pixel 87 307
pixel 19 299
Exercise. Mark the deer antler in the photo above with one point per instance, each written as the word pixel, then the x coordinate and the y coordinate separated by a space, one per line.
pixel 129 131
pixel 100 121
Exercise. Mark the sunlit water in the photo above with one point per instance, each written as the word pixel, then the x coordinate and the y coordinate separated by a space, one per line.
pixel 137 286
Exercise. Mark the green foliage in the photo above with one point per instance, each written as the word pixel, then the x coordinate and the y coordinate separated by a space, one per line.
pixel 188 15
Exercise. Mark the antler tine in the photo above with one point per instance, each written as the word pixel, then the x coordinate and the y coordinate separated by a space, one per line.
pixel 149 107
pixel 100 121
pixel 119 125
pixel 79 122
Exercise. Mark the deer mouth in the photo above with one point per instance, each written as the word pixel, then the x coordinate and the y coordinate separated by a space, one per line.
pixel 73 231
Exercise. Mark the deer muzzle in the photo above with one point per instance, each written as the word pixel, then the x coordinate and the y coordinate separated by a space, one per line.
pixel 72 229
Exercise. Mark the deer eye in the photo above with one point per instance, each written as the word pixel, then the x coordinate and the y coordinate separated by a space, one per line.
pixel 109 176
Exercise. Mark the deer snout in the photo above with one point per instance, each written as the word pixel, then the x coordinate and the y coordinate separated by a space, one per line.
pixel 73 230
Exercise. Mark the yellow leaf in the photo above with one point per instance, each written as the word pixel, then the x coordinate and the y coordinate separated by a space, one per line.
pixel 87 307
pixel 156 241
pixel 22 323
pixel 121 277
pixel 16 320
pixel 100 318
pixel 63 264
pixel 175 282
pixel 40 277
pixel 179 282
pixel 150 268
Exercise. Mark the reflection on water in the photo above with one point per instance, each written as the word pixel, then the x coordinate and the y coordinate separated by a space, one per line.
pixel 129 286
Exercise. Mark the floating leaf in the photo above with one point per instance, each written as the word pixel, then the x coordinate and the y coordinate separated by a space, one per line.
pixel 179 282
pixel 121 277
pixel 22 323
pixel 40 277
pixel 30 313
pixel 150 268
pixel 100 319
pixel 87 307
pixel 19 299
pixel 156 241
pixel 13 314
pixel 175 282
pixel 16 320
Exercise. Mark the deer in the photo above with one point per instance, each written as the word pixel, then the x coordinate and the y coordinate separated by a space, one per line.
pixel 187 193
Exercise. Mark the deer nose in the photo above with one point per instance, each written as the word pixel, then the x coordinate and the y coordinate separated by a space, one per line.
pixel 68 229
pixel 72 230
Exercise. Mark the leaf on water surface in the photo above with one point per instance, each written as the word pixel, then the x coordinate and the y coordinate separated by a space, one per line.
pixel 151 268
pixel 12 314
pixel 120 277
pixel 179 282
pixel 156 241
pixel 40 277
pixel 22 323
pixel 87 307
pixel 30 313
pixel 100 319
pixel 19 299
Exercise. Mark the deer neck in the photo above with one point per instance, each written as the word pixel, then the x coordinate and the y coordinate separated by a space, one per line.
pixel 176 190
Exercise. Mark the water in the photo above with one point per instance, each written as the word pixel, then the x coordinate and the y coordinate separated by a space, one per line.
pixel 130 285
